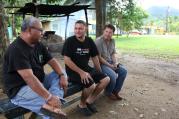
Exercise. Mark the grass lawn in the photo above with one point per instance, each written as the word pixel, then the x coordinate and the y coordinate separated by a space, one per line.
pixel 160 46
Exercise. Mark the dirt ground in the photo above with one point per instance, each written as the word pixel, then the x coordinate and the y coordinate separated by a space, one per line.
pixel 151 91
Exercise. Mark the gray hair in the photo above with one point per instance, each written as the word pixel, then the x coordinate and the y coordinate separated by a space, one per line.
pixel 28 22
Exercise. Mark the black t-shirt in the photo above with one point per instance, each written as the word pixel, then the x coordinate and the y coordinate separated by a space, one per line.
pixel 18 56
pixel 79 52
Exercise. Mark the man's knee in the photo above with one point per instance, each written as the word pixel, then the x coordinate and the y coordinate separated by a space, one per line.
pixel 113 80
pixel 113 76
pixel 92 87
pixel 105 80
pixel 122 71
pixel 89 84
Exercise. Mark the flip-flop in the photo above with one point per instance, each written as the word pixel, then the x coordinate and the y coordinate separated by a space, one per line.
pixel 85 111
pixel 92 107
pixel 53 114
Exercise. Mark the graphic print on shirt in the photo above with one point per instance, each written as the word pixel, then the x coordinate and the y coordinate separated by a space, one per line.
pixel 41 58
pixel 81 51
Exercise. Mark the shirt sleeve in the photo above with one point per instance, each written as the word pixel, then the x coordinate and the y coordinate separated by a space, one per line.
pixel 93 50
pixel 66 49
pixel 18 60
pixel 114 47
pixel 98 45
pixel 46 54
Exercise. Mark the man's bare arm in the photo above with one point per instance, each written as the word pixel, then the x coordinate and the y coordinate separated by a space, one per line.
pixel 58 69
pixel 85 76
pixel 34 83
pixel 72 65
pixel 96 63
pixel 114 58
pixel 55 66
pixel 103 61
pixel 37 87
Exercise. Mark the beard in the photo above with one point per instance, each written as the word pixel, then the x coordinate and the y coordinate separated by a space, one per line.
pixel 35 41
pixel 80 36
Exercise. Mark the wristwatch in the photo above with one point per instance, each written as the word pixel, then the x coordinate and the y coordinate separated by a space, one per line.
pixel 62 74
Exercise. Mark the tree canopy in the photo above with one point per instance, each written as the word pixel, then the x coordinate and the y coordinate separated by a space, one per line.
pixel 125 14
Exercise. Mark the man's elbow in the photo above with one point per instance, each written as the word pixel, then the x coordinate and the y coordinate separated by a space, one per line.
pixel 100 58
pixel 67 60
pixel 52 61
pixel 26 74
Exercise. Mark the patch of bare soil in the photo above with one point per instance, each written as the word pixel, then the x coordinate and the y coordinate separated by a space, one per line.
pixel 150 90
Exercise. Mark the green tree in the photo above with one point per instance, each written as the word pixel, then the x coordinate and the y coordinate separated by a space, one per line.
pixel 133 18
pixel 173 24
pixel 126 15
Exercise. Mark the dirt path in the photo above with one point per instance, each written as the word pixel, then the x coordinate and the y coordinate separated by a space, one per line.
pixel 161 70
pixel 151 91
pixel 145 98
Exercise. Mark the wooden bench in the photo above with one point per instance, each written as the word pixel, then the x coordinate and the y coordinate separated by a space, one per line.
pixel 11 111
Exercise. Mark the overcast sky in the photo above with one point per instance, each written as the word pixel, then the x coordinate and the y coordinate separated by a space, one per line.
pixel 148 3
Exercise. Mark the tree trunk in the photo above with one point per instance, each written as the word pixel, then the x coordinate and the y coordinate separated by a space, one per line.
pixel 3 38
pixel 100 6
pixel 104 13
pixel 13 26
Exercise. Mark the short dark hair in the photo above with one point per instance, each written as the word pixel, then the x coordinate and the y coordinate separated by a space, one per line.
pixel 80 22
pixel 109 26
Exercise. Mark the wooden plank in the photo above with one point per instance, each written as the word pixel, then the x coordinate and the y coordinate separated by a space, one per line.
pixel 68 103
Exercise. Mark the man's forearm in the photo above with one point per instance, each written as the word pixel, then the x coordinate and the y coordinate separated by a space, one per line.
pixel 37 87
pixel 114 59
pixel 33 82
pixel 103 61
pixel 72 65
pixel 96 63
pixel 55 66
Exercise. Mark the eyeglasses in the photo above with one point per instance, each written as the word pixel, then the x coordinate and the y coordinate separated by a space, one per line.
pixel 38 29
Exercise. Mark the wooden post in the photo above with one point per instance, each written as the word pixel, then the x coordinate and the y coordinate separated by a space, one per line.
pixel 66 27
pixel 13 27
pixel 4 42
pixel 86 16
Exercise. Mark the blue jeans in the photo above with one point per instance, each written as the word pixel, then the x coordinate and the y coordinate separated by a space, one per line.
pixel 28 99
pixel 117 78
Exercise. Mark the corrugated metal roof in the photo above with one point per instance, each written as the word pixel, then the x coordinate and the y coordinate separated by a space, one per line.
pixel 44 9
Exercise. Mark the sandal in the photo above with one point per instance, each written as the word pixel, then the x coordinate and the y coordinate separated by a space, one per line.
pixel 56 115
pixel 85 111
pixel 92 107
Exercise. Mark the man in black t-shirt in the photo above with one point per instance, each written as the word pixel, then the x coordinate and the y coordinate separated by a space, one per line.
pixel 25 82
pixel 77 51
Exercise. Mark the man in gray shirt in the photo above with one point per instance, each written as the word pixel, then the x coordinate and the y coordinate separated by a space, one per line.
pixel 117 73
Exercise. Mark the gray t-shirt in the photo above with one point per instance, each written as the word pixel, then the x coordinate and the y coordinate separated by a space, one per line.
pixel 105 50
